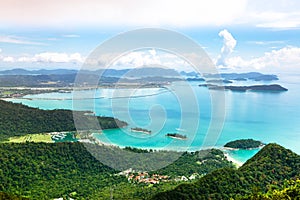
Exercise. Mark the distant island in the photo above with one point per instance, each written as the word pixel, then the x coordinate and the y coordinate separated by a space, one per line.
pixel 218 81
pixel 141 130
pixel 195 79
pixel 244 144
pixel 177 136
pixel 267 88
pixel 255 76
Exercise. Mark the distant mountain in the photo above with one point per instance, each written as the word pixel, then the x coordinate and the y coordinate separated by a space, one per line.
pixel 143 72
pixel 271 165
pixel 20 71
pixel 256 76
pixel 136 72
pixel 193 74
pixel 151 72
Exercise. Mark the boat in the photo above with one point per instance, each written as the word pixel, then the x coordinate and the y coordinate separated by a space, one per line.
pixel 180 129
pixel 140 130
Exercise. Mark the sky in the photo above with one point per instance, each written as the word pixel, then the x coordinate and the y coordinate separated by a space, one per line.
pixel 238 35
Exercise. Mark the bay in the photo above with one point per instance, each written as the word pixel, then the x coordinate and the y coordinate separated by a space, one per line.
pixel 265 116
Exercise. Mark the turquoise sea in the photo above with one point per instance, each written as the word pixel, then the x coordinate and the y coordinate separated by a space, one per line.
pixel 264 116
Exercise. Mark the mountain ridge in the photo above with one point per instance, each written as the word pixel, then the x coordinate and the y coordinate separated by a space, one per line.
pixel 271 165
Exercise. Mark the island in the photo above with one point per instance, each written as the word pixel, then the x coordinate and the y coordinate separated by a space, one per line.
pixel 195 79
pixel 177 136
pixel 244 144
pixel 140 130
pixel 258 88
pixel 218 81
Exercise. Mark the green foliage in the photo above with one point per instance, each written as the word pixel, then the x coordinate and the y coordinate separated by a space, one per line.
pixel 200 162
pixel 52 170
pixel 271 166
pixel 7 196
pixel 244 144
pixel 17 120
pixel 290 190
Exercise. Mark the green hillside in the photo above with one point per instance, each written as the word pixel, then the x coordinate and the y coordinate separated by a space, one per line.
pixel 52 170
pixel 270 166
pixel 18 119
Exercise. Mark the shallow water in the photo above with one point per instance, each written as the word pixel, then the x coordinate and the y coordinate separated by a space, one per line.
pixel 269 117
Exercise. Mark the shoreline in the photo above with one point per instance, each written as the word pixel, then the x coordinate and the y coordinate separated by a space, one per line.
pixel 236 162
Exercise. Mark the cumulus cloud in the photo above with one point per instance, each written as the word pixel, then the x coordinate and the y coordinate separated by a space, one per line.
pixel 8 59
pixel 284 59
pixel 53 57
pixel 48 57
pixel 229 44
pixel 138 59
pixel 151 57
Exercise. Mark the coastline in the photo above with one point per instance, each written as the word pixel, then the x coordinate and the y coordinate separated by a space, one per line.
pixel 233 160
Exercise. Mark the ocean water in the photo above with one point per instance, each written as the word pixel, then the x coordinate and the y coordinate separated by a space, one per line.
pixel 188 109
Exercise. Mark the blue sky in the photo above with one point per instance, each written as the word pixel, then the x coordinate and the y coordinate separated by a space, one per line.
pixel 238 35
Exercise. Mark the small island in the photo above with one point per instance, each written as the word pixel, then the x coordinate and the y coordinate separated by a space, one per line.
pixel 177 136
pixel 255 88
pixel 219 81
pixel 195 79
pixel 244 144
pixel 140 130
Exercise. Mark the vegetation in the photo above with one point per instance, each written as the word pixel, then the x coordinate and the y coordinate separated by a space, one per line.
pixel 200 162
pixel 28 169
pixel 18 120
pixel 289 190
pixel 31 138
pixel 7 196
pixel 244 144
pixel 271 166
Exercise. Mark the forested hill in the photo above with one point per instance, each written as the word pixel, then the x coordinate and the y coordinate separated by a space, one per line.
pixel 48 171
pixel 18 119
pixel 269 167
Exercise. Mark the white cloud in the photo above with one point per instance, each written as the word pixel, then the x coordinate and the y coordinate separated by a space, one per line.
pixel 50 57
pixel 53 57
pixel 8 59
pixel 151 58
pixel 17 40
pixel 229 44
pixel 284 59
pixel 138 58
